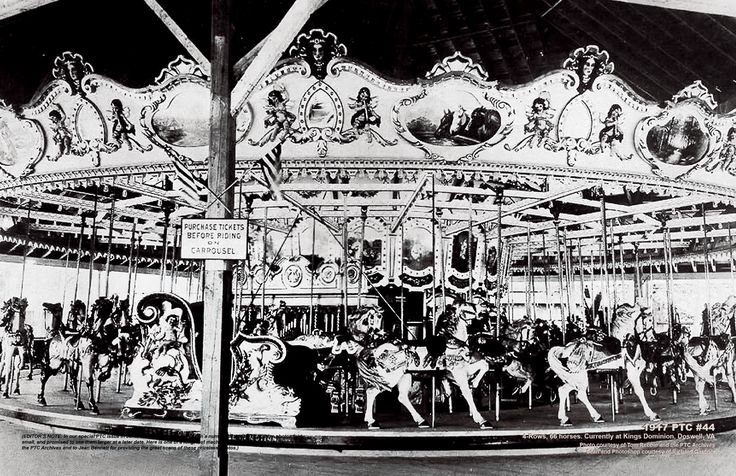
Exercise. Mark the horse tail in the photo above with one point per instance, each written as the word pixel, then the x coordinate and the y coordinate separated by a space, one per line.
pixel 555 364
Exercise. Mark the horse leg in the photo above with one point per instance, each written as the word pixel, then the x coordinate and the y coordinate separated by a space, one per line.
pixel 700 387
pixel 478 370
pixel 18 364
pixel 728 368
pixel 633 373
pixel 88 370
pixel 403 387
pixel 30 362
pixel 370 400
pixel 583 397
pixel 564 393
pixel 46 373
pixel 461 380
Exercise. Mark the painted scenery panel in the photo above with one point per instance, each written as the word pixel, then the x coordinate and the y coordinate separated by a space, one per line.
pixel 680 141
pixel 452 118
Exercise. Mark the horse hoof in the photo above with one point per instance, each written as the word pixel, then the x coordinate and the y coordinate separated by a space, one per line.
pixel 94 411
pixel 599 419
pixel 484 425
pixel 565 422
pixel 423 424
pixel 16 392
pixel 655 417
pixel 6 395
pixel 374 426
pixel 29 377
pixel 42 401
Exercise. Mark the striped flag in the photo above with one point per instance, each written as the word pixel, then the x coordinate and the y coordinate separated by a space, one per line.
pixel 271 167
pixel 190 186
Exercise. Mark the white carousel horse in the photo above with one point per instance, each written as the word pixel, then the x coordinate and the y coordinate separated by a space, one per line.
pixel 583 355
pixel 388 364
pixel 15 339
pixel 709 357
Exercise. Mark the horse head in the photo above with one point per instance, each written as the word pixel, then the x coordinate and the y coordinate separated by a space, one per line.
pixel 365 321
pixel 12 308
pixel 443 129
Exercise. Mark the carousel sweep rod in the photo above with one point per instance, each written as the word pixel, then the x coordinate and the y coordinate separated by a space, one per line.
pixel 528 272
pixel 730 256
pixel 499 200
pixel 109 248
pixel 546 281
pixel 135 271
pixel 130 257
pixel 25 250
pixel 79 255
pixel 604 235
pixel 92 251
pixel 165 242
pixel 363 218
pixel 563 318
pixel 582 284
pixel 311 277
pixel 637 275
pixel 401 300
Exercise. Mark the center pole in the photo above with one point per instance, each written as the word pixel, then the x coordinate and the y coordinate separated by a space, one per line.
pixel 218 323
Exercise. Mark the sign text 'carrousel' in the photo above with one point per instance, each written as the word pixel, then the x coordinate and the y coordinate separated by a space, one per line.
pixel 213 239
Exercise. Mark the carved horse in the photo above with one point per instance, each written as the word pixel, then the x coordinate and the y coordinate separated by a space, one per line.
pixel 582 355
pixel 85 354
pixel 707 357
pixel 16 339
pixel 384 364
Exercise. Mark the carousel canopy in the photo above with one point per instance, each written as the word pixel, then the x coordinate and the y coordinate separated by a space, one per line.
pixel 101 101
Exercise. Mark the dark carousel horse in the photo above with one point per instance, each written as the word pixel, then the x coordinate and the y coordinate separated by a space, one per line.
pixel 478 128
pixel 87 354
pixel 16 344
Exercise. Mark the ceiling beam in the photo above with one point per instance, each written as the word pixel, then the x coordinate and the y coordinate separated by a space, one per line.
pixel 10 8
pixel 179 34
pixel 713 7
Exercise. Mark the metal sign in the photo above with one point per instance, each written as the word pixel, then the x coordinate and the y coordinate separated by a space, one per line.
pixel 213 238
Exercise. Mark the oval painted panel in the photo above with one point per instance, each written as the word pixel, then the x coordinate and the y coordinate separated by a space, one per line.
pixel 183 120
pixel 452 118
pixel 680 141
pixel 417 248
pixel 18 141
pixel 321 111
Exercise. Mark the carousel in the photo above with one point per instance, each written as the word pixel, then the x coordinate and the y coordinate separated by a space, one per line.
pixel 442 263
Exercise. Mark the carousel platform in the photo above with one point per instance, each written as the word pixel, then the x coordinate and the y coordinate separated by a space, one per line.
pixel 519 428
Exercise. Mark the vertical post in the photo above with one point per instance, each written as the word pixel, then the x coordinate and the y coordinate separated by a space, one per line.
pixel 613 267
pixel 706 264
pixel 66 270
pixel 92 251
pixel 470 253
pixel 175 247
pixel 363 218
pixel 401 300
pixel 637 274
pixel 563 318
pixel 622 273
pixel 668 275
pixel 438 215
pixel 651 277
pixel 25 253
pixel 79 255
pixel 135 271
pixel 730 257
pixel 264 264
pixel 533 286
pixel 130 259
pixel 345 258
pixel 311 276
pixel 546 281
pixel 528 272
pixel 606 284
pixel 213 457
pixel 569 277
pixel 165 243
pixel 109 248
pixel 434 291
pixel 582 285
pixel 499 201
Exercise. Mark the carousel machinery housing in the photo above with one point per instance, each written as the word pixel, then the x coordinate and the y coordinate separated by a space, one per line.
pixel 495 246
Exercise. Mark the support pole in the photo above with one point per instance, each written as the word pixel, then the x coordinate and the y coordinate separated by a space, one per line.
pixel 25 256
pixel 730 258
pixel 546 281
pixel 583 319
pixel 622 273
pixel 66 271
pixel 434 291
pixel 130 259
pixel 606 284
pixel 563 318
pixel 79 256
pixel 264 263
pixel 637 274
pixel 165 243
pixel 470 255
pixel 92 251
pixel 345 258
pixel 568 273
pixel 109 248
pixel 216 362
pixel 363 218
pixel 668 272
pixel 528 272
pixel 499 202
pixel 706 264
pixel 311 277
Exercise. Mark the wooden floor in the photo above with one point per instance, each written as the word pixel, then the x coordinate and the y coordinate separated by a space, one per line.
pixel 518 426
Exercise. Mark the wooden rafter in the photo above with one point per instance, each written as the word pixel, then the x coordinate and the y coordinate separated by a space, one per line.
pixel 179 34
pixel 10 8
pixel 713 7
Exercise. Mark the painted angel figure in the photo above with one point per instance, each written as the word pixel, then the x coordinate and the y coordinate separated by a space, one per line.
pixel 540 120
pixel 366 115
pixel 727 156
pixel 278 119
pixel 60 133
pixel 122 128
pixel 611 135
